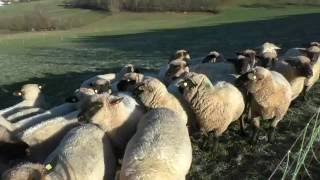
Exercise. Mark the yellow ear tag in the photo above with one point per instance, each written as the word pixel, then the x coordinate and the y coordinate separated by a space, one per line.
pixel 185 84
pixel 48 167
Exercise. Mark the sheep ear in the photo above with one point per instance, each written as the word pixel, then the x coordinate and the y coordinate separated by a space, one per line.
pixel 116 100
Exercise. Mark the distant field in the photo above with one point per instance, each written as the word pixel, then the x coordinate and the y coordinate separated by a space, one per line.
pixel 62 59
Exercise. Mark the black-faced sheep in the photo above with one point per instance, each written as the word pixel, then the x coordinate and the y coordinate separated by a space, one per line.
pixel 215 106
pixel 160 149
pixel 182 55
pixel 296 70
pixel 213 57
pixel 154 94
pixel 271 96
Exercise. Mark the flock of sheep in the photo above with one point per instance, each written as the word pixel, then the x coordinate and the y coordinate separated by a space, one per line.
pixel 131 126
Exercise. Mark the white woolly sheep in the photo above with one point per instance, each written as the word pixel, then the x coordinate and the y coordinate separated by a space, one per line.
pixel 116 115
pixel 271 96
pixel 215 106
pixel 32 98
pixel 296 70
pixel 44 137
pixel 160 149
pixel 84 153
pixel 153 94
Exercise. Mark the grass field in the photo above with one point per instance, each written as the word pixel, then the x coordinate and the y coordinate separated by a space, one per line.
pixel 63 59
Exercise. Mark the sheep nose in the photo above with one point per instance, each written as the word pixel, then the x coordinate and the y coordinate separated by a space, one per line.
pixel 81 117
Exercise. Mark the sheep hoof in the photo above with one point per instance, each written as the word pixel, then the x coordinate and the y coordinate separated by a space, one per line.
pixel 271 135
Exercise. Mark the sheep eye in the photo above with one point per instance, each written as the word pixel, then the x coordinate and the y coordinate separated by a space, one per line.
pixel 91 84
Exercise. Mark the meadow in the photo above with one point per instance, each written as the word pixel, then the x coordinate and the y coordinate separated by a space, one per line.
pixel 101 42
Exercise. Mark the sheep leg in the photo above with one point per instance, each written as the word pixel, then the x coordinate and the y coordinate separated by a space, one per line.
pixel 272 130
pixel 304 92
pixel 213 139
pixel 246 114
pixel 242 128
pixel 256 130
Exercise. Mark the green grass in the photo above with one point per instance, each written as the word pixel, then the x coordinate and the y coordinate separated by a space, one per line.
pixel 63 59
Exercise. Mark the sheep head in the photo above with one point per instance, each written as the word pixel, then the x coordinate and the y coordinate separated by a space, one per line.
pixel 181 55
pixel 194 83
pixel 101 86
pixel 149 92
pixel 128 68
pixel 177 69
pixel 29 91
pixel 213 57
pixel 255 79
pixel 26 171
pixel 129 81
pixel 312 52
pixel 247 60
pixel 80 95
pixel 302 65
pixel 100 110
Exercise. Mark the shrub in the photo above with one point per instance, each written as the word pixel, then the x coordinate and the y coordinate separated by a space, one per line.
pixel 150 5
pixel 37 20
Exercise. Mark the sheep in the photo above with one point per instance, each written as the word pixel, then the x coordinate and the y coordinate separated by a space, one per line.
pixel 296 70
pixel 213 57
pixel 271 96
pixel 116 115
pixel 107 82
pixel 215 106
pixel 160 149
pixel 42 138
pixel 84 153
pixel 227 71
pixel 177 68
pixel 32 98
pixel 27 122
pixel 11 149
pixel 313 53
pixel 129 80
pixel 179 55
pixel 153 94
pixel 268 54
